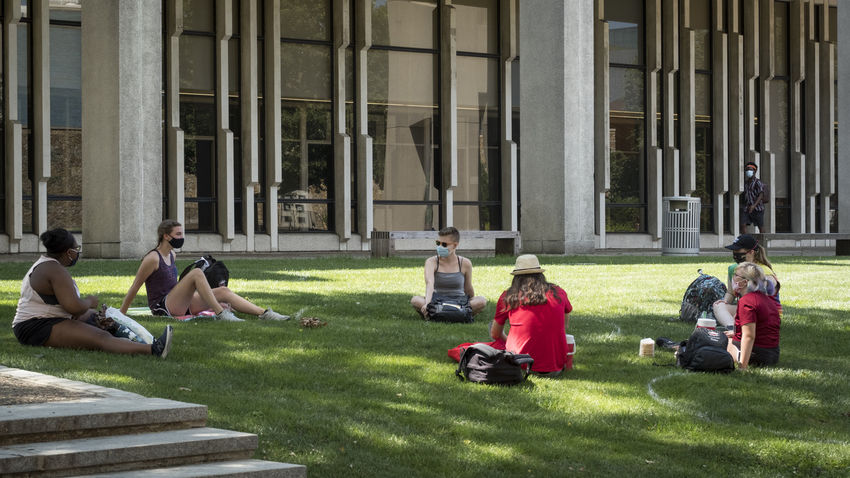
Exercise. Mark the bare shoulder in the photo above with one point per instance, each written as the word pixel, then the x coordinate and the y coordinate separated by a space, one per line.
pixel 466 263
pixel 430 261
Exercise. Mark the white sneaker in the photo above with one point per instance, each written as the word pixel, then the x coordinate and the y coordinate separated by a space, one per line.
pixel 272 315
pixel 228 316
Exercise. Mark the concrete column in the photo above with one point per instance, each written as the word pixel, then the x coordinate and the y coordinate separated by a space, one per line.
pixel 812 120
pixel 720 114
pixel 737 121
pixel 556 48
pixel 271 108
pixel 751 74
pixel 670 65
pixel 363 42
pixel 843 185
pixel 767 70
pixel 174 141
pixel 342 142
pixel 653 149
pixel 122 113
pixel 827 119
pixel 448 111
pixel 602 120
pixel 797 160
pixel 40 121
pixel 12 127
pixel 250 112
pixel 508 24
pixel 224 136
pixel 687 103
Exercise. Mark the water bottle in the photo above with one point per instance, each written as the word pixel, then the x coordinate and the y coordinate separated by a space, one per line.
pixel 705 323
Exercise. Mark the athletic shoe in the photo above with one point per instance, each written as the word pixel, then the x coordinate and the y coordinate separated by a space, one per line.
pixel 272 315
pixel 228 316
pixel 666 343
pixel 161 346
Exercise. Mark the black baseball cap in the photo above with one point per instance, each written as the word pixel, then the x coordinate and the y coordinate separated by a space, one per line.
pixel 744 241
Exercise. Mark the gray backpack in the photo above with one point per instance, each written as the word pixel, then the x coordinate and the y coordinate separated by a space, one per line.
pixel 484 364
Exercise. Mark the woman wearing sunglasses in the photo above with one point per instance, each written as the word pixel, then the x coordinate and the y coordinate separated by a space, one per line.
pixel 755 340
pixel 448 275
pixel 51 312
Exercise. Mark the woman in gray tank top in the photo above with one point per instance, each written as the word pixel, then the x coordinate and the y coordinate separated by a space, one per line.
pixel 448 275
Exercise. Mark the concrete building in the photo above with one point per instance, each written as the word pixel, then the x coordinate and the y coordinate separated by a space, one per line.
pixel 568 121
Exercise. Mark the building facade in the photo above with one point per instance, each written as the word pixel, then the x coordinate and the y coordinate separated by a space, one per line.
pixel 287 125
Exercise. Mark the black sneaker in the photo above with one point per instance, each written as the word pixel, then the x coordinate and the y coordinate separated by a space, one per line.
pixel 162 345
pixel 666 343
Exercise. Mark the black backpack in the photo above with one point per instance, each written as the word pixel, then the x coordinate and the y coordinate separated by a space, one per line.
pixel 703 292
pixel 215 271
pixel 705 351
pixel 484 364
pixel 443 309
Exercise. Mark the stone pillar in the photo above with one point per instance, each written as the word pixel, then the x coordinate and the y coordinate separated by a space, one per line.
pixel 12 126
pixel 271 109
pixel 556 121
pixel 122 120
pixel 448 111
pixel 342 141
pixel 250 124
pixel 843 99
pixel 363 41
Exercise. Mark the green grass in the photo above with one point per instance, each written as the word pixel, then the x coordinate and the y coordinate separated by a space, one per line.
pixel 374 394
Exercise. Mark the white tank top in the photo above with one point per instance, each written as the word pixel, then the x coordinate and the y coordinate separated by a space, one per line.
pixel 31 305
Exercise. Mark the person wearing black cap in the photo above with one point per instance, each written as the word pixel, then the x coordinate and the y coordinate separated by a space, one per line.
pixel 745 249
pixel 51 312
pixel 752 210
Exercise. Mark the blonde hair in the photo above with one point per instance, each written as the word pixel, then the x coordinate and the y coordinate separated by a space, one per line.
pixel 760 256
pixel 756 280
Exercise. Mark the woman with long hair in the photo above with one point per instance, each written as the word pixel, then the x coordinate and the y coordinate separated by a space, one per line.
pixel 755 340
pixel 51 312
pixel 539 315
pixel 745 249
pixel 168 296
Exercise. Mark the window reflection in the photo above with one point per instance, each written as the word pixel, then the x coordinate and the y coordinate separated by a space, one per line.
pixel 404 23
pixel 479 25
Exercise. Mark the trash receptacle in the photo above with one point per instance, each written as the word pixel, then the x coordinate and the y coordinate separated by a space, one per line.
pixel 680 231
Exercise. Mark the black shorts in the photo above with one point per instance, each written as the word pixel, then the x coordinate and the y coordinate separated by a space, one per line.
pixel 159 309
pixel 756 218
pixel 761 357
pixel 36 331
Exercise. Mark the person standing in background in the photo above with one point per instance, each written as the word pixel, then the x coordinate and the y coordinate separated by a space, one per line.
pixel 752 209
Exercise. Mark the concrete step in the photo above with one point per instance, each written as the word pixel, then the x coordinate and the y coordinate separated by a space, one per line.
pixel 54 421
pixel 125 452
pixel 224 469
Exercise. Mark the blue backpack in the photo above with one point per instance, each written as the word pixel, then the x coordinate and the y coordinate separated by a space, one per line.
pixel 703 292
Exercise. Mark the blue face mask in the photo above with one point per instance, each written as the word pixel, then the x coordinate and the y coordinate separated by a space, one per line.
pixel 750 173
pixel 442 251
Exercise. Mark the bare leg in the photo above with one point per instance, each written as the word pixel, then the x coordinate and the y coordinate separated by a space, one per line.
pixel 733 351
pixel 477 304
pixel 182 296
pixel 724 313
pixel 239 303
pixel 79 335
pixel 417 302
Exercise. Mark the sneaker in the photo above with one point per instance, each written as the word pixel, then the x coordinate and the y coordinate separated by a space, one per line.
pixel 272 315
pixel 228 316
pixel 666 343
pixel 161 346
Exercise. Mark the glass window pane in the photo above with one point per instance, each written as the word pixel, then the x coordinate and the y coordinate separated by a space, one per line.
pixel 405 153
pixel 405 23
pixel 625 31
pixel 197 64
pixel 234 56
pixel 199 15
pixel 199 184
pixel 310 20
pixel 701 23
pixel 478 130
pixel 627 90
pixel 477 25
pixel 68 11
pixel 481 218
pixel 305 71
pixel 404 78
pixel 417 217
pixel 65 77
pixel 702 95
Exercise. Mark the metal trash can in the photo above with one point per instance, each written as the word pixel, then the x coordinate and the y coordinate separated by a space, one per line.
pixel 680 231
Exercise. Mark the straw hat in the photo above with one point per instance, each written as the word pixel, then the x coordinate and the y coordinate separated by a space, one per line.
pixel 527 264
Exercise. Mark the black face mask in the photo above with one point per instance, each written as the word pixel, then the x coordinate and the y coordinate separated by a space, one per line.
pixel 74 260
pixel 739 257
pixel 176 243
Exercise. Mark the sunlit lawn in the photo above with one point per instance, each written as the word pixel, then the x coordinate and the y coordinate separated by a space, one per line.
pixel 374 394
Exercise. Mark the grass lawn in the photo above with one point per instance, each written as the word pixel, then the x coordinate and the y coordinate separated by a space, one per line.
pixel 374 394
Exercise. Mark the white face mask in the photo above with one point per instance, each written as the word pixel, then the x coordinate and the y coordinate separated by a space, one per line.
pixel 750 173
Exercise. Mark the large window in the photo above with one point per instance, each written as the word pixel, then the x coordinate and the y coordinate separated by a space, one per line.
pixel 306 192
pixel 477 197
pixel 404 115
pixel 626 205
pixel 703 132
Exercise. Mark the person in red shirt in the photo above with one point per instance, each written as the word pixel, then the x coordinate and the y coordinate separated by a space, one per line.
pixel 755 340
pixel 538 313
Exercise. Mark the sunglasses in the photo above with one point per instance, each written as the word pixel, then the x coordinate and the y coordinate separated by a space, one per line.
pixel 79 249
pixel 444 244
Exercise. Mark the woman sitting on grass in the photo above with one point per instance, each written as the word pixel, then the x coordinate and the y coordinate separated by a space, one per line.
pixel 745 249
pixel 539 314
pixel 167 296
pixel 51 312
pixel 755 340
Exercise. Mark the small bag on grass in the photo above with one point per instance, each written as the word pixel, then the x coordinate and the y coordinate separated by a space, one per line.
pixel 705 351
pixel 484 364
pixel 446 309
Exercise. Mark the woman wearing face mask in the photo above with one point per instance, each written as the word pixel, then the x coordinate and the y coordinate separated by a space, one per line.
pixel 192 294
pixel 448 275
pixel 755 340
pixel 745 249
pixel 51 312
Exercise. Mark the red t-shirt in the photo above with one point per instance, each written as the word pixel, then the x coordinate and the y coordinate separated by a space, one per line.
pixel 538 330
pixel 757 308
